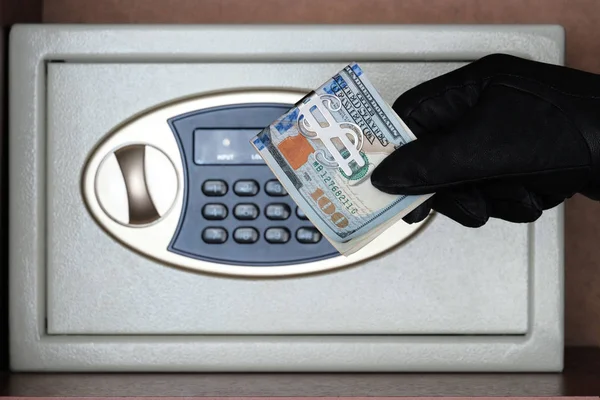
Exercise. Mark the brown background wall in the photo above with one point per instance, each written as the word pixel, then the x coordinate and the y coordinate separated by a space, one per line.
pixel 581 19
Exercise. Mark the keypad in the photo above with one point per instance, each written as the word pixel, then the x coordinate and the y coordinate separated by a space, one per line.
pixel 214 188
pixel 245 235
pixel 214 212
pixel 274 188
pixel 246 212
pixel 308 235
pixel 278 212
pixel 214 235
pixel 277 235
pixel 250 211
pixel 246 188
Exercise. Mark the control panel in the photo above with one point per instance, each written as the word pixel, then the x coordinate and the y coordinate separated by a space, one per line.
pixel 181 183
pixel 235 210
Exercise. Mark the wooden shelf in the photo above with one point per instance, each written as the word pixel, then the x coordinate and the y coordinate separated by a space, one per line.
pixel 580 378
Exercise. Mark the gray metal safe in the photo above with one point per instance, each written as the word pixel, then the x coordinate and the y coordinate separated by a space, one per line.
pixel 431 297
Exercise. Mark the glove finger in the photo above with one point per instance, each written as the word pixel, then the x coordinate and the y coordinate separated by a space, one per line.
pixel 512 203
pixel 440 102
pixel 553 189
pixel 467 206
pixel 551 201
pixel 424 114
pixel 419 213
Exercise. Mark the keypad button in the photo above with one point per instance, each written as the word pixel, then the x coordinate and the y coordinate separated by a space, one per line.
pixel 308 235
pixel 300 214
pixel 277 211
pixel 277 235
pixel 274 188
pixel 214 188
pixel 245 235
pixel 245 211
pixel 214 211
pixel 214 235
pixel 245 188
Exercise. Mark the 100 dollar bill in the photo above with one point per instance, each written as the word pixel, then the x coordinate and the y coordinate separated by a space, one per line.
pixel 324 150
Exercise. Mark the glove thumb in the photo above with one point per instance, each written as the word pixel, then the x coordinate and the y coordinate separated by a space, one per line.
pixel 410 168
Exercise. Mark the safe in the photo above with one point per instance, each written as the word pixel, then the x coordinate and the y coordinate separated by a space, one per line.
pixel 146 234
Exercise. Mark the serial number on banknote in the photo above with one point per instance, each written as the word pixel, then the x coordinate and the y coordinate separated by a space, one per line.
pixel 335 189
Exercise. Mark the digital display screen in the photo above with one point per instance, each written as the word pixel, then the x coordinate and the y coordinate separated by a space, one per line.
pixel 225 146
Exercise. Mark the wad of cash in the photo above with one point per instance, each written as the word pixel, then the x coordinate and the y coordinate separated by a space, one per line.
pixel 323 152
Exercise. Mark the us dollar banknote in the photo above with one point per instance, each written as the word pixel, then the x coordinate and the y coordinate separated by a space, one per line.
pixel 323 151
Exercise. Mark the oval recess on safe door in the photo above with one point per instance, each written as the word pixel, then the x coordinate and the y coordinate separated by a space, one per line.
pixel 143 184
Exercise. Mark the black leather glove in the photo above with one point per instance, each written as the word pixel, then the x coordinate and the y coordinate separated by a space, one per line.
pixel 502 137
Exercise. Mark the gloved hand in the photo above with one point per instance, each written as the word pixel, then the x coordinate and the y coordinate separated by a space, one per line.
pixel 502 137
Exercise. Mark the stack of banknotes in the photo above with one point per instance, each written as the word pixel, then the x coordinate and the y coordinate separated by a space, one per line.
pixel 323 151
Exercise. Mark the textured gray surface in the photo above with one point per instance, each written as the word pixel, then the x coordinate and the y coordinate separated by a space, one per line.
pixel 499 279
